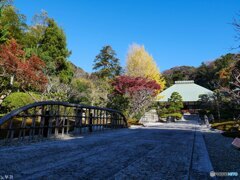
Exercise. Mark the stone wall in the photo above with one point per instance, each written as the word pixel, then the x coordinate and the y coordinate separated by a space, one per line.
pixel 150 116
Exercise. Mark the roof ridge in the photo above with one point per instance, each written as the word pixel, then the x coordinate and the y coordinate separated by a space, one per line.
pixel 185 82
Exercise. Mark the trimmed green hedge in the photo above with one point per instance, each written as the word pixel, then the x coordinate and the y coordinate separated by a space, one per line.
pixel 225 126
pixel 223 123
pixel 176 115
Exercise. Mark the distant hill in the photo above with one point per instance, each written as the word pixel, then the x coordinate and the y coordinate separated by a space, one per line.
pixel 78 72
pixel 179 73
pixel 210 75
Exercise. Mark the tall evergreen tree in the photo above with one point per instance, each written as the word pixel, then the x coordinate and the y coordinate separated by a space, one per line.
pixel 54 51
pixel 106 65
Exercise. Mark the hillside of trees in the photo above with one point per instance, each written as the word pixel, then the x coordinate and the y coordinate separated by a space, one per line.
pixel 212 74
pixel 34 66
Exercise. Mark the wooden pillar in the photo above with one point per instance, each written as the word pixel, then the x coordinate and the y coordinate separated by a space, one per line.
pixel 46 123
pixel 57 120
pixel 78 121
pixel 90 122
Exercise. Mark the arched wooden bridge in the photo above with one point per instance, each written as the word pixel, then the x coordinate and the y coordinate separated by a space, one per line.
pixel 54 119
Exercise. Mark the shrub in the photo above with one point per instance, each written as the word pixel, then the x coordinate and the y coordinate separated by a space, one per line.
pixel 175 115
pixel 225 126
pixel 223 123
pixel 17 100
pixel 133 121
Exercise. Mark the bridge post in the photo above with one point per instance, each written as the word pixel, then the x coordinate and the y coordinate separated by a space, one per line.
pixel 57 121
pixel 112 120
pixel 78 121
pixel 90 122
pixel 46 123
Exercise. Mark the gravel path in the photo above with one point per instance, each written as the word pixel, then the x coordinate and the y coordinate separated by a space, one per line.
pixel 160 151
pixel 224 157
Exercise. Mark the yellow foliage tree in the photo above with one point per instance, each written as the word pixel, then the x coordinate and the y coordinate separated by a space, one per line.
pixel 141 64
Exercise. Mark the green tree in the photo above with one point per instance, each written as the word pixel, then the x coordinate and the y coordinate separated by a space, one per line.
pixel 81 91
pixel 106 65
pixel 3 30
pixel 12 23
pixel 205 74
pixel 54 51
pixel 175 103
pixel 90 91
pixel 119 102
pixel 35 33
pixel 160 108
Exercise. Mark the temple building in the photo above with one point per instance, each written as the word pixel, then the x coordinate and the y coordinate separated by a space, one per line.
pixel 190 93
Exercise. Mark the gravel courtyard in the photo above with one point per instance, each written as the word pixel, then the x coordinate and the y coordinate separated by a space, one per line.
pixel 157 151
pixel 223 156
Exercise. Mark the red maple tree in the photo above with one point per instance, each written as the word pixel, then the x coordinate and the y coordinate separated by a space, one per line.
pixel 27 72
pixel 140 91
pixel 131 85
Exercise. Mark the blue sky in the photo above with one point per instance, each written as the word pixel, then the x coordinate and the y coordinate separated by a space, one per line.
pixel 174 32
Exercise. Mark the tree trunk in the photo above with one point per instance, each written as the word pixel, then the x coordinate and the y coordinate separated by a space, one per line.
pixel 218 111
pixel 4 94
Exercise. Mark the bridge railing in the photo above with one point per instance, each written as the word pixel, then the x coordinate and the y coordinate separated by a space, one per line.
pixel 55 119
